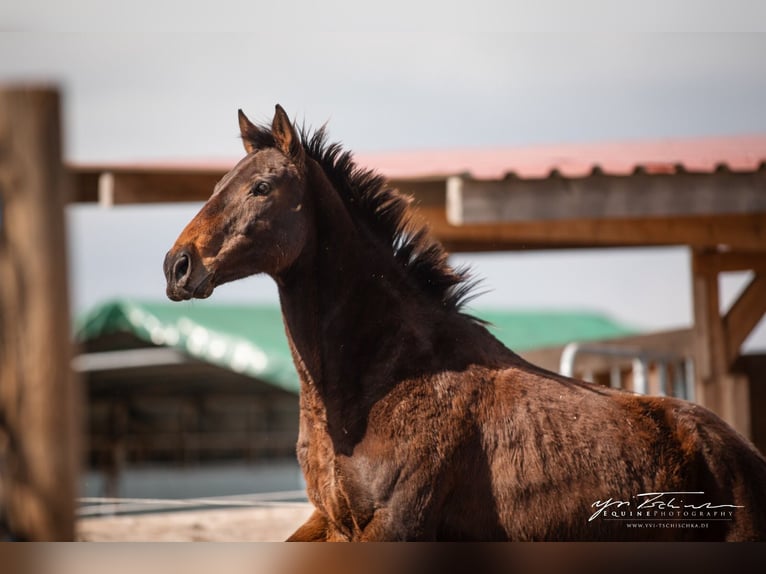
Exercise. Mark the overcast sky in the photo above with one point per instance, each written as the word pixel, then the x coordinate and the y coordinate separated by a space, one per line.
pixel 163 80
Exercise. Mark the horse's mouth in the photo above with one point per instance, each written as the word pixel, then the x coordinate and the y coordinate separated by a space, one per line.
pixel 201 290
pixel 205 288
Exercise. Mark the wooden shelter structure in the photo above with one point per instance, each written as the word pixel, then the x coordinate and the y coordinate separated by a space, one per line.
pixel 706 194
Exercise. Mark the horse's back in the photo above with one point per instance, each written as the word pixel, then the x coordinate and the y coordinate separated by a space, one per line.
pixel 554 447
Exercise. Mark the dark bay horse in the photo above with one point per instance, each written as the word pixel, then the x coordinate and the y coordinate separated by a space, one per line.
pixel 416 423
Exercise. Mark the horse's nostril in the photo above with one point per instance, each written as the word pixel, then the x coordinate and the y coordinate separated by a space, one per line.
pixel 181 268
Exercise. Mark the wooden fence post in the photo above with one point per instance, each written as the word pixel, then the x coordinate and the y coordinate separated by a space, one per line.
pixel 39 394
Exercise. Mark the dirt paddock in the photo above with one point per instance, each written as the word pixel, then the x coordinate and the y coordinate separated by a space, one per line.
pixel 262 524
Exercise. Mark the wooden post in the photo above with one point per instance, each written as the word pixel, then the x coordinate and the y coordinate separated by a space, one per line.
pixel 745 314
pixel 39 395
pixel 716 387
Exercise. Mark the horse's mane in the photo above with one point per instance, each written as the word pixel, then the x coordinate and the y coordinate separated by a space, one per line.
pixel 387 214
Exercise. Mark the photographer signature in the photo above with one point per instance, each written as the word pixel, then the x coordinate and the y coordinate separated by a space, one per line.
pixel 657 501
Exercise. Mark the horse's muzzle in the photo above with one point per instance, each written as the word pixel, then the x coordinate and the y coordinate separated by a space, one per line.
pixel 184 280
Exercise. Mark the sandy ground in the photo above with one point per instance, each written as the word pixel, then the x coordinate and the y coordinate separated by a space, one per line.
pixel 263 524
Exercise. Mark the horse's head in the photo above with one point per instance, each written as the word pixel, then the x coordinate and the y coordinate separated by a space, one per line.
pixel 253 222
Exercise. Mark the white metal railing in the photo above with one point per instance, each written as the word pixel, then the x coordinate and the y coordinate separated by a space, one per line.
pixel 110 506
pixel 641 362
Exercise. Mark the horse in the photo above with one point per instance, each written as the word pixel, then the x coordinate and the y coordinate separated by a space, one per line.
pixel 416 423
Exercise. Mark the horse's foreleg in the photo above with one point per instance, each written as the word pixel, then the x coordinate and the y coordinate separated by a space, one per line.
pixel 313 530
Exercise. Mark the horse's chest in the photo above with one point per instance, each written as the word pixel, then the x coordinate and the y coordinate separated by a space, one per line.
pixel 337 486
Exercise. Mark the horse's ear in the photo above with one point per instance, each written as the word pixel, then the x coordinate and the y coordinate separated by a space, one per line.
pixel 253 137
pixel 285 136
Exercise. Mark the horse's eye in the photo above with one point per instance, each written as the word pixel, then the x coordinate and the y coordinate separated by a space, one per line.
pixel 261 188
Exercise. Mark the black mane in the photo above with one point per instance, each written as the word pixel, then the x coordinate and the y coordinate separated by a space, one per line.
pixel 386 213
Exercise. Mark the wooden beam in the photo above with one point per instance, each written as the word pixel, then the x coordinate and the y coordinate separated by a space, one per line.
pixel 39 423
pixel 727 261
pixel 84 185
pixel 744 232
pixel 744 314
pixel 597 196
pixel 120 185
pixel 700 210
pixel 750 306
pixel 158 187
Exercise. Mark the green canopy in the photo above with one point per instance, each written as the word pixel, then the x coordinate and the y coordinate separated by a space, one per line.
pixel 250 339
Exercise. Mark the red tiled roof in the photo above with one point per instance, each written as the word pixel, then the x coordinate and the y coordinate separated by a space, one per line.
pixel 741 153
pixel 736 153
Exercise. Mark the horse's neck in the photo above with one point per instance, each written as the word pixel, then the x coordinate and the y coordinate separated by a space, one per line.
pixel 338 298
pixel 357 325
pixel 349 312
